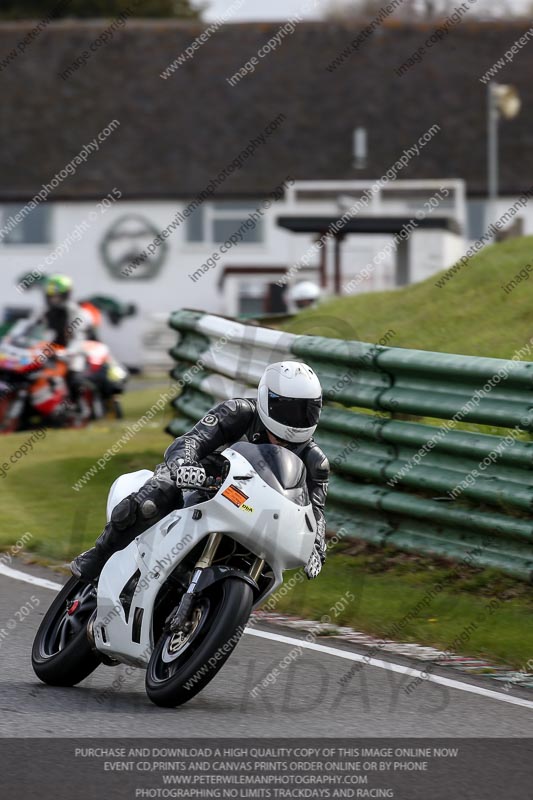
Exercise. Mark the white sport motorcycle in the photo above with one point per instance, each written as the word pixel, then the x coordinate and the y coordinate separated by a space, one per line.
pixel 176 600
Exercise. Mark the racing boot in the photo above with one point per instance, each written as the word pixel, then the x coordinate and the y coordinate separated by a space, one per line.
pixel 88 565
pixel 131 517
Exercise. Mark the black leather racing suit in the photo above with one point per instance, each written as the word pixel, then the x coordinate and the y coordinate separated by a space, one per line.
pixel 68 324
pixel 235 420
pixel 227 423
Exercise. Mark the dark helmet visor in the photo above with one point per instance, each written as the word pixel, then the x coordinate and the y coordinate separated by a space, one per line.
pixel 296 412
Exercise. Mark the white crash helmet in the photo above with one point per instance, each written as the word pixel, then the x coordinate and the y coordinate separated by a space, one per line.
pixel 305 294
pixel 289 400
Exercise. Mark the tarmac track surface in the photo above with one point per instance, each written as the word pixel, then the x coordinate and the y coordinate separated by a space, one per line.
pixel 306 698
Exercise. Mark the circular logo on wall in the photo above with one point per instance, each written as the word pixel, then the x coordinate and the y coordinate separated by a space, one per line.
pixel 129 249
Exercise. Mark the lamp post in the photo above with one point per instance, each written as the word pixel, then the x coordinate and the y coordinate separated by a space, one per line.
pixel 503 101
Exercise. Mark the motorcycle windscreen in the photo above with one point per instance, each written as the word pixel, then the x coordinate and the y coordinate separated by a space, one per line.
pixel 281 469
pixel 29 335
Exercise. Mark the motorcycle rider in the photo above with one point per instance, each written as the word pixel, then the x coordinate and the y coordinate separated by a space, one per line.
pixel 304 294
pixel 69 324
pixel 286 413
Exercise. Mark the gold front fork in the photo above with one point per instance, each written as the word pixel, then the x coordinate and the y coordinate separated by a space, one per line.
pixel 257 568
pixel 210 550
pixel 209 553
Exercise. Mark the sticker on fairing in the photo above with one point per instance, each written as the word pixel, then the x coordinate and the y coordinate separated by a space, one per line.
pixel 235 496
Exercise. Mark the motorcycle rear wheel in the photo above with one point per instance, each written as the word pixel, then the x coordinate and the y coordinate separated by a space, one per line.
pixel 62 654
pixel 182 665
pixel 8 424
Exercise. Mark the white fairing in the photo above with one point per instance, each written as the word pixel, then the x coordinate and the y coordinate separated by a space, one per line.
pixel 267 524
pixel 124 486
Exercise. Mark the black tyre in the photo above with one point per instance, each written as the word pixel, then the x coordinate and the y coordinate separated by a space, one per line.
pixel 93 401
pixel 8 424
pixel 181 665
pixel 117 409
pixel 62 654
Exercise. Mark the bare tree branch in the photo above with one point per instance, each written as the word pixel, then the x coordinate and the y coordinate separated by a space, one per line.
pixel 422 10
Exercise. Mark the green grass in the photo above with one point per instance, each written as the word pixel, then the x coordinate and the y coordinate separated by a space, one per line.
pixel 387 586
pixel 38 487
pixel 471 315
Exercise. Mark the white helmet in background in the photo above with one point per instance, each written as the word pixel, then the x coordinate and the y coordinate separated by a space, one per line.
pixel 289 400
pixel 305 294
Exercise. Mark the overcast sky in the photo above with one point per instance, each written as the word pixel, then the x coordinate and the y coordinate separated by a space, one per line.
pixel 262 9
pixel 282 9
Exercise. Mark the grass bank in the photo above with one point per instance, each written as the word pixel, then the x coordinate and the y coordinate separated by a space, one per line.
pixel 39 498
pixel 472 314
pixel 386 585
pixel 392 595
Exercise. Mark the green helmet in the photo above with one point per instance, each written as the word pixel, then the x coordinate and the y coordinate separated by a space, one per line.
pixel 59 286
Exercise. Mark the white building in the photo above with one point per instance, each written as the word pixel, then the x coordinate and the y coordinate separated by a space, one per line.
pixel 246 278
pixel 334 133
pixel 240 279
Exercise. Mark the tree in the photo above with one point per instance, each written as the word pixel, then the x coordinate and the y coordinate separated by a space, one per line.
pixel 39 9
pixel 422 10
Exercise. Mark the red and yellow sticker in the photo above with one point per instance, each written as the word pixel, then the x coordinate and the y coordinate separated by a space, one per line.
pixel 235 496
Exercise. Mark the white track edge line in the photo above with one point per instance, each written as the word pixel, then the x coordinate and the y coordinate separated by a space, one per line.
pixel 392 667
pixel 17 575
pixel 320 648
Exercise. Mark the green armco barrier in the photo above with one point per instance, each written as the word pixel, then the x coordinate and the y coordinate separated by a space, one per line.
pixel 394 482
pixel 177 427
pixel 463 368
pixel 191 407
pixel 357 355
pixel 190 349
pixel 367 459
pixel 454 544
pixel 391 503
pixel 411 434
pixel 185 320
pixel 382 460
pixel 426 384
pixel 419 402
pixel 479 550
pixel 423 363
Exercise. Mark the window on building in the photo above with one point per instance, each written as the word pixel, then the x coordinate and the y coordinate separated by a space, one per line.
pixel 275 300
pixel 216 222
pixel 251 299
pixel 33 228
pixel 476 219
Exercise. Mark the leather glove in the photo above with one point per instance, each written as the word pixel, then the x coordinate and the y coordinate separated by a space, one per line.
pixel 187 473
pixel 317 558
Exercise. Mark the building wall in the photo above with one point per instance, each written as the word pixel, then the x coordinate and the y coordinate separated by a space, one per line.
pixel 172 287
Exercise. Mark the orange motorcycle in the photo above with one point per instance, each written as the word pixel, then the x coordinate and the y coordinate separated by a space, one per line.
pixel 33 382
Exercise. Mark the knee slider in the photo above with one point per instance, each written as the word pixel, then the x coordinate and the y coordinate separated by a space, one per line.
pixel 124 514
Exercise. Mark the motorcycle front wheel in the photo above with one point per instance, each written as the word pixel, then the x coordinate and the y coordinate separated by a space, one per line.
pixel 62 654
pixel 182 664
